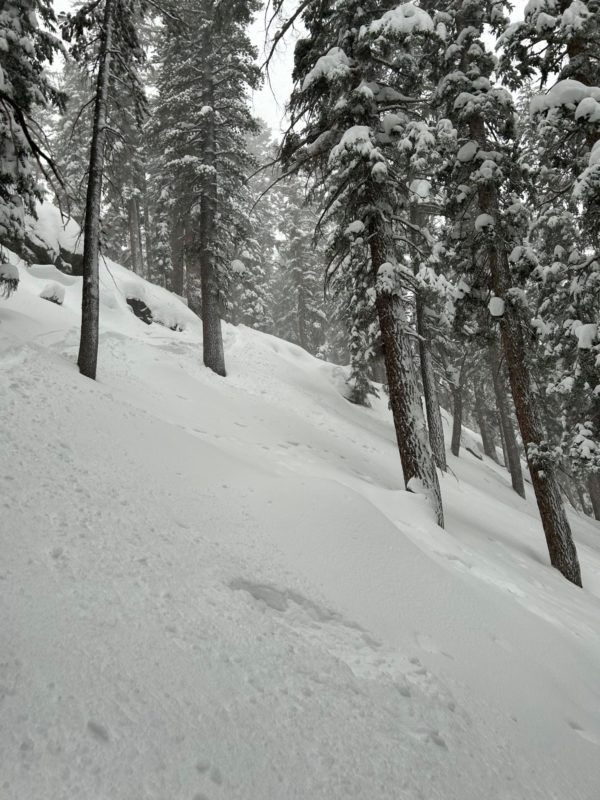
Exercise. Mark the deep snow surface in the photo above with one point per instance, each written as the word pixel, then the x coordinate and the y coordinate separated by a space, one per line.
pixel 216 588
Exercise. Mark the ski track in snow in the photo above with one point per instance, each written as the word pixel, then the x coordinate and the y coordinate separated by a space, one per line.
pixel 216 588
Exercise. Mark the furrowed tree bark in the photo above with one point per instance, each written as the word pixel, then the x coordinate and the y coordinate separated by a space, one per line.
pixel 483 421
pixel 512 457
pixel 214 357
pixel 417 461
pixel 90 299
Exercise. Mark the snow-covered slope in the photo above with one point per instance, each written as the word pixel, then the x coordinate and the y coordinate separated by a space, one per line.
pixel 216 588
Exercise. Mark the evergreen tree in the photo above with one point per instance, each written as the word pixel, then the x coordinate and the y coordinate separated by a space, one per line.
pixel 200 127
pixel 28 44
pixel 356 76
pixel 105 32
pixel 487 189
pixel 299 278
pixel 561 40
pixel 69 135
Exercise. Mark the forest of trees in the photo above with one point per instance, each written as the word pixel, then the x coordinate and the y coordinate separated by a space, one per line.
pixel 430 217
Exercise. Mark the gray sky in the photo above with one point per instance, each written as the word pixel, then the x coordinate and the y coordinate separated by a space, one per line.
pixel 268 103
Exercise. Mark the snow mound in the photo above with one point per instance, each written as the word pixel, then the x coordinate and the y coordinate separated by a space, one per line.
pixel 219 588
pixel 54 292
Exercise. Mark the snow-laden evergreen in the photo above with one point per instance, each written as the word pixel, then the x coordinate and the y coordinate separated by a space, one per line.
pixel 349 106
pixel 28 44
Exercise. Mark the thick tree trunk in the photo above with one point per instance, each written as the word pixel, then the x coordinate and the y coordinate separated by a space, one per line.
pixel 511 446
pixel 90 299
pixel 593 486
pixel 483 421
pixel 135 237
pixel 214 357
pixel 430 392
pixel 411 434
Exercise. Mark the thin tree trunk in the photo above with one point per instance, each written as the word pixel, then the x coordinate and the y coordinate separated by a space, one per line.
pixel 565 485
pixel 90 299
pixel 457 406
pixel 302 321
pixel 483 422
pixel 133 218
pixel 587 363
pixel 503 443
pixel 511 446
pixel 581 497
pixel 435 425
pixel 147 230
pixel 593 485
pixel 214 357
pixel 418 465
pixel 378 368
pixel 176 280
pixel 430 392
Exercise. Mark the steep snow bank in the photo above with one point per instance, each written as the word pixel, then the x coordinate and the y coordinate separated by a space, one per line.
pixel 216 588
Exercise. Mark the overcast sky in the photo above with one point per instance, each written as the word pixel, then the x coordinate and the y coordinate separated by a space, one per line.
pixel 269 102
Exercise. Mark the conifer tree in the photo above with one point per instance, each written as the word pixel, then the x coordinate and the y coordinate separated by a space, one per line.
pixel 556 47
pixel 487 188
pixel 201 123
pixel 105 33
pixel 299 277
pixel 356 76
pixel 28 45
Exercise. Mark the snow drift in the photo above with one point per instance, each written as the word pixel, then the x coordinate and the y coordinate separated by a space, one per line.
pixel 217 588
